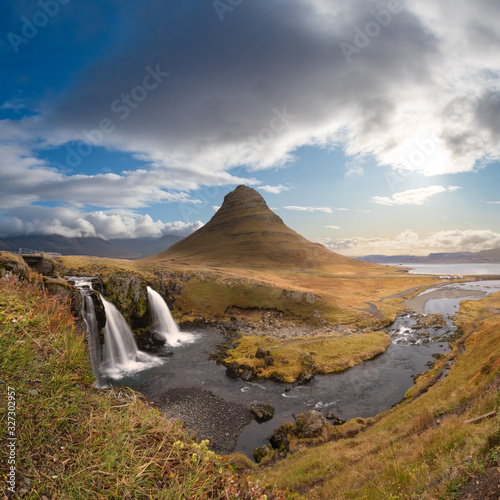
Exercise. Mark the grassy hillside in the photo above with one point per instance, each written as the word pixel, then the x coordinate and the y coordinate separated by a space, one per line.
pixel 74 441
pixel 427 447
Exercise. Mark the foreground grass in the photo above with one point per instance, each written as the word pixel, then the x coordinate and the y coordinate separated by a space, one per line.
pixel 422 449
pixel 74 441
pixel 317 355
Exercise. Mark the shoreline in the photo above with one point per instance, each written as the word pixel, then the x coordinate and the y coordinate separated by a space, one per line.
pixel 418 302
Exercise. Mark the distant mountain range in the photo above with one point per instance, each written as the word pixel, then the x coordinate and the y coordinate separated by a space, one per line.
pixel 436 258
pixel 135 248
pixel 246 232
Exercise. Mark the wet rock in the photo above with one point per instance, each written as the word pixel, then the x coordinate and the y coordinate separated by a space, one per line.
pixel 262 452
pixel 304 378
pixel 262 413
pixel 310 424
pixel 247 373
pixel 167 354
pixel 158 338
pixel 334 419
pixel 232 371
pixel 280 438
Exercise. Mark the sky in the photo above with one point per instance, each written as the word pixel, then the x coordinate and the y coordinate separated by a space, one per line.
pixel 371 126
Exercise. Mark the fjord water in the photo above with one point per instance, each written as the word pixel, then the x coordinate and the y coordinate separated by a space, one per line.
pixel 163 323
pixel 463 269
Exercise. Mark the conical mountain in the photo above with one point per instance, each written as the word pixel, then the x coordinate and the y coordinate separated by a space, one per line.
pixel 246 232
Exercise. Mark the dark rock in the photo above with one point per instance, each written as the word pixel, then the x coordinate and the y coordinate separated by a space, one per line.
pixel 334 419
pixel 167 354
pixel 233 371
pixel 269 360
pixel 280 439
pixel 247 373
pixel 262 413
pixel 262 452
pixel 158 338
pixel 261 353
pixel 310 424
pixel 304 378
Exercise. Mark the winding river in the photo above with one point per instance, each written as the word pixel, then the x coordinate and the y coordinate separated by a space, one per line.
pixel 362 391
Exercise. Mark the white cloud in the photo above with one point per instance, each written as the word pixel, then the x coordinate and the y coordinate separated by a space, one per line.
pixel 71 222
pixel 309 209
pixel 493 202
pixel 332 227
pixel 418 196
pixel 274 189
pixel 409 242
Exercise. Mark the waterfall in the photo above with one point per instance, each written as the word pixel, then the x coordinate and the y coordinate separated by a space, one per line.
pixel 120 354
pixel 93 337
pixel 163 323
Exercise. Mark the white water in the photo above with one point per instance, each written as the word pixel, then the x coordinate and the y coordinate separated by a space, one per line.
pixel 163 323
pixel 120 354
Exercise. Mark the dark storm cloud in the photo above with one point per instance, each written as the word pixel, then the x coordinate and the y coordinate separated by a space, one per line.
pixel 227 80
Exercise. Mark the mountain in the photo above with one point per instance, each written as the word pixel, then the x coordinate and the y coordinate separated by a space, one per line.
pixel 245 232
pixel 493 254
pixel 432 258
pixel 132 248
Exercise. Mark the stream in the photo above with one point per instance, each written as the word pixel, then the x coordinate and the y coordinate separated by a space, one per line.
pixel 362 391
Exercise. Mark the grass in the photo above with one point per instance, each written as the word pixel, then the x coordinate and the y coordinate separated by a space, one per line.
pixel 317 355
pixel 408 453
pixel 219 293
pixel 75 441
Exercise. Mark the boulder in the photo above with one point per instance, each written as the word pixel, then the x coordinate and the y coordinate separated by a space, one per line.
pixel 262 452
pixel 262 413
pixel 334 419
pixel 269 360
pixel 262 353
pixel 310 424
pixel 280 438
pixel 158 338
pixel 232 371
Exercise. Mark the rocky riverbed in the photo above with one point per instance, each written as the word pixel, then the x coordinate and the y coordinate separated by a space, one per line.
pixel 210 416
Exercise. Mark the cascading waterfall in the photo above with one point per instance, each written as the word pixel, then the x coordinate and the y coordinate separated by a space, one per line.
pixel 163 323
pixel 93 337
pixel 120 354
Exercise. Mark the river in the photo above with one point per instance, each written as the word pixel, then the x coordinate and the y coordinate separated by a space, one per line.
pixel 362 391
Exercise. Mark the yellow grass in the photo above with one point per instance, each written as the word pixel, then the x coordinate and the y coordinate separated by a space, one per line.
pixel 317 355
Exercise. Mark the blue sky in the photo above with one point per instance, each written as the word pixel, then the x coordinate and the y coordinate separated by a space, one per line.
pixel 370 126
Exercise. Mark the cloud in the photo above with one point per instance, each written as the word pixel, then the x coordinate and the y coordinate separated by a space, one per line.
pixel 493 202
pixel 274 189
pixel 309 209
pixel 71 222
pixel 332 227
pixel 401 99
pixel 418 196
pixel 409 242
